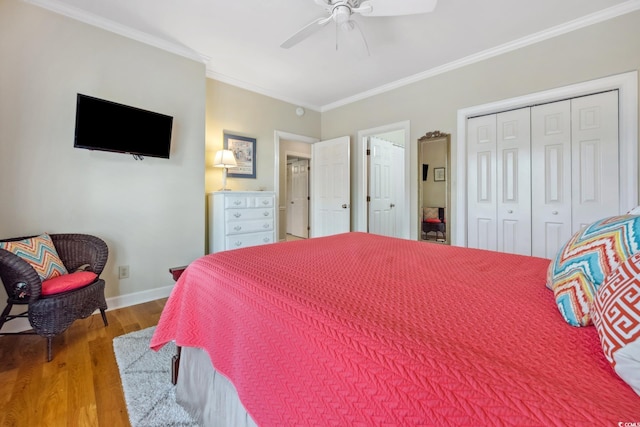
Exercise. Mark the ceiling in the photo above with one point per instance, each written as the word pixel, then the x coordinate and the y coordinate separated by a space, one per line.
pixel 240 40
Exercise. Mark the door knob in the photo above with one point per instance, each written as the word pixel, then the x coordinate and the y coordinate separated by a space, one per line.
pixel 345 206
pixel 510 211
pixel 554 213
pixel 392 205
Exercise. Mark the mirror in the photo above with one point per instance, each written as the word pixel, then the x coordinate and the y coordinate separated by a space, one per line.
pixel 433 187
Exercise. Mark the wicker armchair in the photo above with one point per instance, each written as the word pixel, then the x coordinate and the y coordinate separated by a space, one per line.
pixel 51 315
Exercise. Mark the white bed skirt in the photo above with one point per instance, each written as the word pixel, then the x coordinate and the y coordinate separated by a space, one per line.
pixel 206 394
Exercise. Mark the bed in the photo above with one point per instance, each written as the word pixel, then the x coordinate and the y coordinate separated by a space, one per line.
pixel 359 329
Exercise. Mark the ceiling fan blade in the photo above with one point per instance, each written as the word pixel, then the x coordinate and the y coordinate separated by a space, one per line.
pixel 305 32
pixel 395 7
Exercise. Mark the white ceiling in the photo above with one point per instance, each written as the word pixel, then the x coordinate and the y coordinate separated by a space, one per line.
pixel 239 39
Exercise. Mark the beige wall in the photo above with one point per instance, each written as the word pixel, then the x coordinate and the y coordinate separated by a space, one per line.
pixel 604 49
pixel 151 212
pixel 246 113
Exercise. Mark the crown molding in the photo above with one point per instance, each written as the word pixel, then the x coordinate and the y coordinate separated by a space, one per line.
pixel 106 24
pixel 112 26
pixel 567 27
pixel 262 91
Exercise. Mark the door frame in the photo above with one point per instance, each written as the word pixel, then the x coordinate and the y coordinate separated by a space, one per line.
pixel 361 173
pixel 307 157
pixel 627 86
pixel 277 136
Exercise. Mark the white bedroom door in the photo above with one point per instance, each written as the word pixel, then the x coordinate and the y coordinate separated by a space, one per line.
pixel 300 198
pixel 513 158
pixel 551 177
pixel 381 176
pixel 482 206
pixel 594 158
pixel 398 191
pixel 331 187
pixel 289 190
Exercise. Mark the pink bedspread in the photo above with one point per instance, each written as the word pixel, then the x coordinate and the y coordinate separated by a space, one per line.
pixel 359 329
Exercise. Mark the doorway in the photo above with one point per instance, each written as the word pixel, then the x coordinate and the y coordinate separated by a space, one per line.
pixel 385 183
pixel 287 144
pixel 398 133
pixel 297 200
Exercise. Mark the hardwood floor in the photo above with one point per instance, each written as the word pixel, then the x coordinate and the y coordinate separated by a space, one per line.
pixel 81 385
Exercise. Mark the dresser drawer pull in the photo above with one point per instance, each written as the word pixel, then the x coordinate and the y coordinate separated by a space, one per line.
pixel 237 214
pixel 237 228
pixel 238 243
pixel 266 240
pixel 266 213
pixel 266 225
pixel 265 202
pixel 237 202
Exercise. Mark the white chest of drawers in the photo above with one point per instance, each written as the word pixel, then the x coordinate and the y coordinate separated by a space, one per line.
pixel 239 219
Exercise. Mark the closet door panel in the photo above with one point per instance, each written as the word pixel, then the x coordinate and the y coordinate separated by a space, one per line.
pixel 594 153
pixel 550 177
pixel 481 215
pixel 513 145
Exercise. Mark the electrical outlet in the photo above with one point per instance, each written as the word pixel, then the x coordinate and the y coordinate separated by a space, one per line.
pixel 123 272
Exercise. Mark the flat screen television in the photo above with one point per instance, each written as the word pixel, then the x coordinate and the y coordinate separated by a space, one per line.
pixel 109 126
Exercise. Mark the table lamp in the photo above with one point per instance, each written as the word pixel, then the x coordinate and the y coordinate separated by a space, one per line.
pixel 225 159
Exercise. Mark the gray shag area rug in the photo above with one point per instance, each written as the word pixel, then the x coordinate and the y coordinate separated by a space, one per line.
pixel 146 380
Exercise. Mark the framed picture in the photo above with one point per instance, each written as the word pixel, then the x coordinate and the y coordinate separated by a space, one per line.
pixel 438 174
pixel 244 149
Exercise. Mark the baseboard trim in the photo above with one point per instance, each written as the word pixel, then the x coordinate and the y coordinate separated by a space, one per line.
pixel 128 300
pixel 120 301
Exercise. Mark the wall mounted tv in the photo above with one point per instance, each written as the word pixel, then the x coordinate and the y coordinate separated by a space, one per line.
pixel 108 126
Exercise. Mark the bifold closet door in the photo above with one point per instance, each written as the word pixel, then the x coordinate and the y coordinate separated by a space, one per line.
pixel 574 170
pixel 482 211
pixel 550 177
pixel 594 158
pixel 513 155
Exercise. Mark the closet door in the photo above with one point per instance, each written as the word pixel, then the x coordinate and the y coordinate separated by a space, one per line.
pixel 481 168
pixel 594 152
pixel 550 177
pixel 514 181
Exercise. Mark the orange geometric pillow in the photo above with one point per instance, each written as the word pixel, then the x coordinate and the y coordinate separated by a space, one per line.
pixel 40 253
pixel 616 315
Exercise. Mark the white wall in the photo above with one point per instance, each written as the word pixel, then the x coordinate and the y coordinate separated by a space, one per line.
pixel 596 51
pixel 150 213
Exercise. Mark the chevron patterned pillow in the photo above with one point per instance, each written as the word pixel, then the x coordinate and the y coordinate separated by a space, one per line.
pixel 40 253
pixel 586 259
pixel 616 315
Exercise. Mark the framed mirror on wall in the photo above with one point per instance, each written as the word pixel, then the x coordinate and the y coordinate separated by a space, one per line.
pixel 434 191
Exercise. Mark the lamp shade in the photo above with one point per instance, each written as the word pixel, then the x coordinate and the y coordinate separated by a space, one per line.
pixel 225 159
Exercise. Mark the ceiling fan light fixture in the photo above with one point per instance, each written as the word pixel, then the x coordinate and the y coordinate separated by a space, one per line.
pixel 347 26
pixel 340 11
pixel 341 14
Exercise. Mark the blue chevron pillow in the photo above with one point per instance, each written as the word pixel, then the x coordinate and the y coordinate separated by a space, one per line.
pixel 40 253
pixel 583 263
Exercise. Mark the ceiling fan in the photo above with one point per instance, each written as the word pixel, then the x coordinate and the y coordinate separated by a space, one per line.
pixel 341 12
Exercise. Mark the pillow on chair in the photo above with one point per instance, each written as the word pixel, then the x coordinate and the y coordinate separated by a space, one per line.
pixel 68 282
pixel 40 253
pixel 429 213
